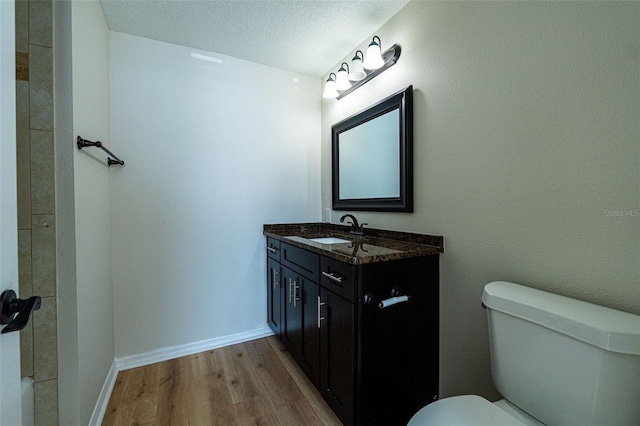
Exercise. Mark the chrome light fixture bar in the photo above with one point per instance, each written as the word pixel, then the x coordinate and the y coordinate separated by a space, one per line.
pixel 362 69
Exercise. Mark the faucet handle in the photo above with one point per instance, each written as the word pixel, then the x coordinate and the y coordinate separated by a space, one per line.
pixel 360 230
pixel 355 227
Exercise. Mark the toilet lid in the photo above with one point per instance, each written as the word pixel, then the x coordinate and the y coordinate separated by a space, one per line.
pixel 463 410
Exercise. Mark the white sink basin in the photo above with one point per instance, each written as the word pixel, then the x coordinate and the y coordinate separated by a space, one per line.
pixel 329 240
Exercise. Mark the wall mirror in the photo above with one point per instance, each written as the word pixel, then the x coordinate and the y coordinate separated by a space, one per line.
pixel 372 157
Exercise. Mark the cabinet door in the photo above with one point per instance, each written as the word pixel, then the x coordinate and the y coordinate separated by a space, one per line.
pixel 299 327
pixel 310 348
pixel 274 296
pixel 337 381
pixel 291 325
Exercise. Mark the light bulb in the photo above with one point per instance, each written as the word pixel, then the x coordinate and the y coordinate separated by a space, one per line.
pixel 357 72
pixel 342 80
pixel 373 59
pixel 330 88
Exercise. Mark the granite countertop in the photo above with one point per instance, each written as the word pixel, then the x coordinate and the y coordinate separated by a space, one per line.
pixel 377 245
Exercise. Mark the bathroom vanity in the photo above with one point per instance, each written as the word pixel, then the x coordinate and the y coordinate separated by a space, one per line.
pixel 359 314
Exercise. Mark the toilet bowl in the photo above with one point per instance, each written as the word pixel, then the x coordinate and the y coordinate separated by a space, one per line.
pixel 471 410
pixel 556 360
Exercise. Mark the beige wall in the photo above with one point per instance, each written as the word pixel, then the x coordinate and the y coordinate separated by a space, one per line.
pixel 83 190
pixel 68 381
pixel 93 202
pixel 527 155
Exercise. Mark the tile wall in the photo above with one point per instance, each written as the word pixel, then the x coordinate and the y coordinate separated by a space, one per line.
pixel 36 200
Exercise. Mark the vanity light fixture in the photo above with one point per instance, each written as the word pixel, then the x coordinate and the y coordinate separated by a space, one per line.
pixel 357 72
pixel 374 59
pixel 363 69
pixel 342 80
pixel 330 87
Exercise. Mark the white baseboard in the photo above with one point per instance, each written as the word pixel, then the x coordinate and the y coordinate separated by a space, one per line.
pixel 105 394
pixel 165 354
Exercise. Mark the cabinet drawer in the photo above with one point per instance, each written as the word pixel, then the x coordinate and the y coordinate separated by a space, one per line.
pixel 273 248
pixel 338 277
pixel 302 261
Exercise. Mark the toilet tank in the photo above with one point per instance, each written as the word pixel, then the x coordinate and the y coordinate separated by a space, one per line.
pixel 561 360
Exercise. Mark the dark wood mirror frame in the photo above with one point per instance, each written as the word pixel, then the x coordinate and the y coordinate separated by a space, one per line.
pixel 403 101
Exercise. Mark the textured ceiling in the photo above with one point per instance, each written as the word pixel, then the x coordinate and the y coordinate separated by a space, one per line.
pixel 305 36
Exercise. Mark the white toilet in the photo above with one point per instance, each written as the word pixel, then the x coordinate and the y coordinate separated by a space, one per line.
pixel 557 361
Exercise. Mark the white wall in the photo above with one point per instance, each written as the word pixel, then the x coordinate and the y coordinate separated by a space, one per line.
pixel 527 138
pixel 213 150
pixel 10 344
pixel 83 193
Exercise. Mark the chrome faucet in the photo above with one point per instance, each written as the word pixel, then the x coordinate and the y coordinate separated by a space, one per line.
pixel 356 229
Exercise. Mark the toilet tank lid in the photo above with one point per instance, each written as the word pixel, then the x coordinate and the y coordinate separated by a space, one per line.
pixel 606 328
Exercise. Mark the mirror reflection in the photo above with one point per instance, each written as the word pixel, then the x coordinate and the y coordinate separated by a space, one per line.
pixel 375 142
pixel 372 157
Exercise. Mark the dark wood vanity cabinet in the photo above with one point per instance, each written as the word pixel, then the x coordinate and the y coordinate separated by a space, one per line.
pixel 274 297
pixel 314 324
pixel 274 286
pixel 372 366
pixel 300 333
pixel 337 348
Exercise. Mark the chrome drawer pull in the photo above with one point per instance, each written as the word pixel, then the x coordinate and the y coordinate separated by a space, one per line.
pixel 332 277
pixel 290 292
pixel 319 317
pixel 295 293
pixel 272 249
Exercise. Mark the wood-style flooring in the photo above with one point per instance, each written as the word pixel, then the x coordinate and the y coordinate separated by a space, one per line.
pixel 251 383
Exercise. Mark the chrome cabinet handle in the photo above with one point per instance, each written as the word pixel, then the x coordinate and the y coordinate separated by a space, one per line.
pixel 272 249
pixel 295 293
pixel 332 277
pixel 274 274
pixel 319 305
pixel 290 292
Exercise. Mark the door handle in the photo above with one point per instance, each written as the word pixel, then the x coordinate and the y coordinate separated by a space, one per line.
pixel 10 305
